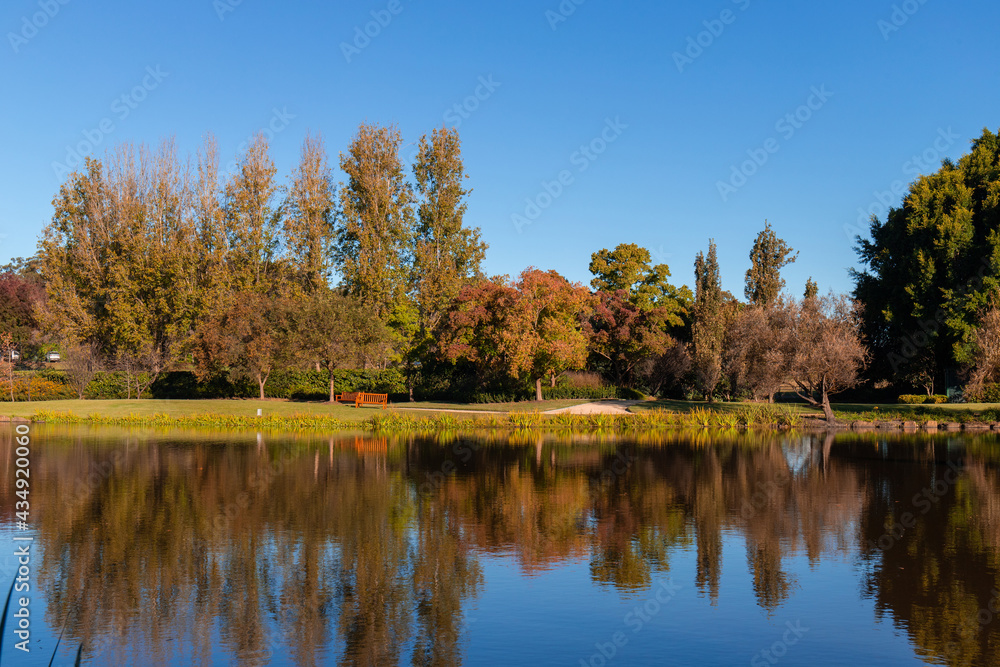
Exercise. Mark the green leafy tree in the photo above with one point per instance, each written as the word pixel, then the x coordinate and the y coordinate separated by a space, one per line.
pixel 636 308
pixel 339 331
pixel 932 267
pixel 447 254
pixel 767 257
pixel 812 289
pixel 628 268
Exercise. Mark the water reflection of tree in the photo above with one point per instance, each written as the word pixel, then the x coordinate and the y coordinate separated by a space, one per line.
pixel 275 548
pixel 366 548
pixel 929 538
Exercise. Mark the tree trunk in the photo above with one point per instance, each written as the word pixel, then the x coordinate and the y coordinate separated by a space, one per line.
pixel 827 410
pixel 332 393
pixel 538 389
pixel 553 380
pixel 260 381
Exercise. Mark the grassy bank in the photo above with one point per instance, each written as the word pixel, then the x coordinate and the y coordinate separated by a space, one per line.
pixel 342 418
pixel 278 415
pixel 248 408
pixel 851 412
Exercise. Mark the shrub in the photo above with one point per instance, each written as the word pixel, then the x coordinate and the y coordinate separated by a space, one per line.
pixel 628 394
pixel 582 379
pixel 583 391
pixel 35 388
pixel 936 399
pixel 108 385
pixel 512 396
pixel 911 399
pixel 990 393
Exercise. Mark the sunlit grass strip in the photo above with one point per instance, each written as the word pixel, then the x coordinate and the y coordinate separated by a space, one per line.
pixel 921 415
pixel 215 421
pixel 390 421
pixel 763 417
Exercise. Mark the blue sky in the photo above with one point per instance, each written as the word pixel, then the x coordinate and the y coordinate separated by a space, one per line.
pixel 869 85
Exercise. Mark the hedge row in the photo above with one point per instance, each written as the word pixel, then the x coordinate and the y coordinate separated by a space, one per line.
pixel 290 384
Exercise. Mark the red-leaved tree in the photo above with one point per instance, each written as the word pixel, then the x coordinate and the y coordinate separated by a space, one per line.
pixel 530 328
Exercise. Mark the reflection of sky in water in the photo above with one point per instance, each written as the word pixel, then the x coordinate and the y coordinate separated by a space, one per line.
pixel 797 453
pixel 520 556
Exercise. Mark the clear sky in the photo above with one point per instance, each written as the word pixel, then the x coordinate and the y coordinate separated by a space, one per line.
pixel 670 99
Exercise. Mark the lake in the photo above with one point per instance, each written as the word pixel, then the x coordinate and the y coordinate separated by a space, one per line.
pixel 710 548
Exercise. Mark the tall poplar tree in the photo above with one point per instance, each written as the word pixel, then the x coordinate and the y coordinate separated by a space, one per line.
pixel 212 275
pixel 309 217
pixel 252 220
pixel 708 329
pixel 446 253
pixel 374 245
pixel 767 257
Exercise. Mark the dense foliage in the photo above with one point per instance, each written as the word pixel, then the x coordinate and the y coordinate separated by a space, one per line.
pixel 159 276
pixel 932 268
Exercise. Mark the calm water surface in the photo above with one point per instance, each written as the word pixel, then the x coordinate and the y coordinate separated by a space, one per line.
pixel 176 548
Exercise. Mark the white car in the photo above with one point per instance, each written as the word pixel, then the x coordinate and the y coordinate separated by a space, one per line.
pixel 52 356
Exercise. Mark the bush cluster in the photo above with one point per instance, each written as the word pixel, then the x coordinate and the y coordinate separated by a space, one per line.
pixel 918 399
pixel 35 388
pixel 990 393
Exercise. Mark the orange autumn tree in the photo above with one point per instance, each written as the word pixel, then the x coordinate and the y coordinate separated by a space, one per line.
pixel 530 328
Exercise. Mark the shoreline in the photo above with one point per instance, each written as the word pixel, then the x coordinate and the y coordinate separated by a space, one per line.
pixel 393 421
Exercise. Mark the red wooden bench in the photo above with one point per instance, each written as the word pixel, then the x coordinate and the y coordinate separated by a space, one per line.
pixel 360 398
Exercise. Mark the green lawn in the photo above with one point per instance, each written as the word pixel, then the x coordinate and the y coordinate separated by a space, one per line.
pixel 178 408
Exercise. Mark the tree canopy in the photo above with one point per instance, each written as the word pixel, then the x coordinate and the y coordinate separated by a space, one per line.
pixel 933 266
pixel 767 257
